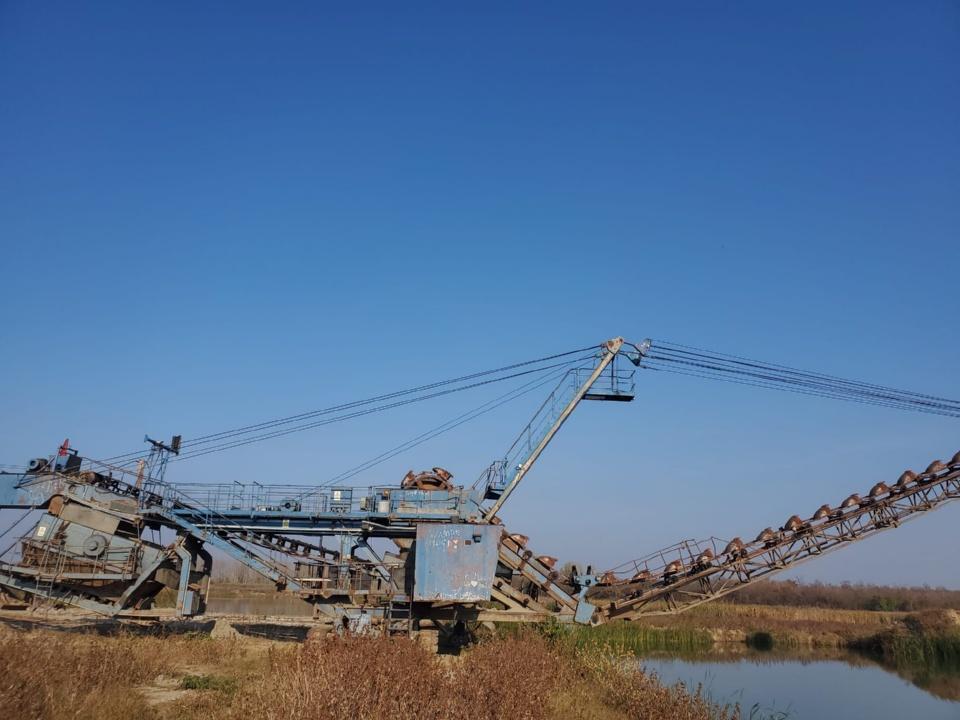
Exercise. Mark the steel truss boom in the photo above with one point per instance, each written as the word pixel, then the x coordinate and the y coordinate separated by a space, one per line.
pixel 610 350
pixel 692 573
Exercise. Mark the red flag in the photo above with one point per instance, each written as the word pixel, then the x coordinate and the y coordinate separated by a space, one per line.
pixel 64 448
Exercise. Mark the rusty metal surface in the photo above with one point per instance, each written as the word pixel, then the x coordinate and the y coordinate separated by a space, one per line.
pixel 455 561
pixel 436 479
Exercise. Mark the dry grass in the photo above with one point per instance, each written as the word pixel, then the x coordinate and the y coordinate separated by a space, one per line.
pixel 57 675
pixel 798 614
pixel 60 675
pixel 617 638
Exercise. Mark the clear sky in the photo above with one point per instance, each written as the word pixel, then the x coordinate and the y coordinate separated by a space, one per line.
pixel 216 214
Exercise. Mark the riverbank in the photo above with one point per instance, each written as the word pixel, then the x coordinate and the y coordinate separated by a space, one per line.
pixel 780 626
pixel 742 643
pixel 922 648
pixel 928 635
pixel 893 635
pixel 763 626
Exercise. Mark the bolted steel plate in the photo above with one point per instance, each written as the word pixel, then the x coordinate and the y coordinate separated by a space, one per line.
pixel 455 561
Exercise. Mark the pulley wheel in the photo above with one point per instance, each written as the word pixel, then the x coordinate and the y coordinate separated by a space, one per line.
pixel 94 545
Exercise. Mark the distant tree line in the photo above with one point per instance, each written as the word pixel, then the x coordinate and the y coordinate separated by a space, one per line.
pixel 846 596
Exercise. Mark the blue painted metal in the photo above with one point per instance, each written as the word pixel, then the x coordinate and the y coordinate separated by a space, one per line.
pixel 9 490
pixel 186 599
pixel 26 490
pixel 147 573
pixel 307 510
pixel 455 562
pixel 585 612
pixel 232 549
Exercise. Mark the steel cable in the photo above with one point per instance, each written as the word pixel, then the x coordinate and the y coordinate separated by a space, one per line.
pixel 476 412
pixel 238 433
pixel 689 350
pixel 902 401
pixel 786 388
pixel 358 413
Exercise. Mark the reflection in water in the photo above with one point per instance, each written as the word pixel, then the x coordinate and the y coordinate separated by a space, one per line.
pixel 941 679
pixel 807 685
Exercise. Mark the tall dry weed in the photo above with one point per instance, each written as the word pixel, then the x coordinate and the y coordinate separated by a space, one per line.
pixel 514 678
pixel 63 675
pixel 55 676
pixel 342 678
pixel 359 678
pixel 523 677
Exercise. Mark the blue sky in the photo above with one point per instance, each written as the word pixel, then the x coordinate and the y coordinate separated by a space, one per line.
pixel 221 214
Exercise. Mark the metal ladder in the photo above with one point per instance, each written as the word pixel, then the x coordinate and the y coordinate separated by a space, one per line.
pixel 46 580
pixel 398 617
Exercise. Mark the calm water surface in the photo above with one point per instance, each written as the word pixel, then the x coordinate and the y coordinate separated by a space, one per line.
pixel 809 688
pixel 286 604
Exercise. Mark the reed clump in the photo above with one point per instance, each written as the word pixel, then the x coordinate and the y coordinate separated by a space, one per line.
pixel 922 650
pixel 624 638
pixel 930 639
pixel 624 687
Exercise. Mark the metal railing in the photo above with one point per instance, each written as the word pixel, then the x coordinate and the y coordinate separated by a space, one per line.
pixel 54 560
pixel 244 500
pixel 677 557
pixel 614 382
pixel 497 475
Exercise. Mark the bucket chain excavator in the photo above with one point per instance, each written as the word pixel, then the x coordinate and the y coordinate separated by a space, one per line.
pixel 108 538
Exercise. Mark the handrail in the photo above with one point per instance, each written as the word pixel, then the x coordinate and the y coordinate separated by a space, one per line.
pixel 548 424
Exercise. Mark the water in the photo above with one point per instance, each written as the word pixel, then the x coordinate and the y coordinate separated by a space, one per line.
pixel 260 605
pixel 811 687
